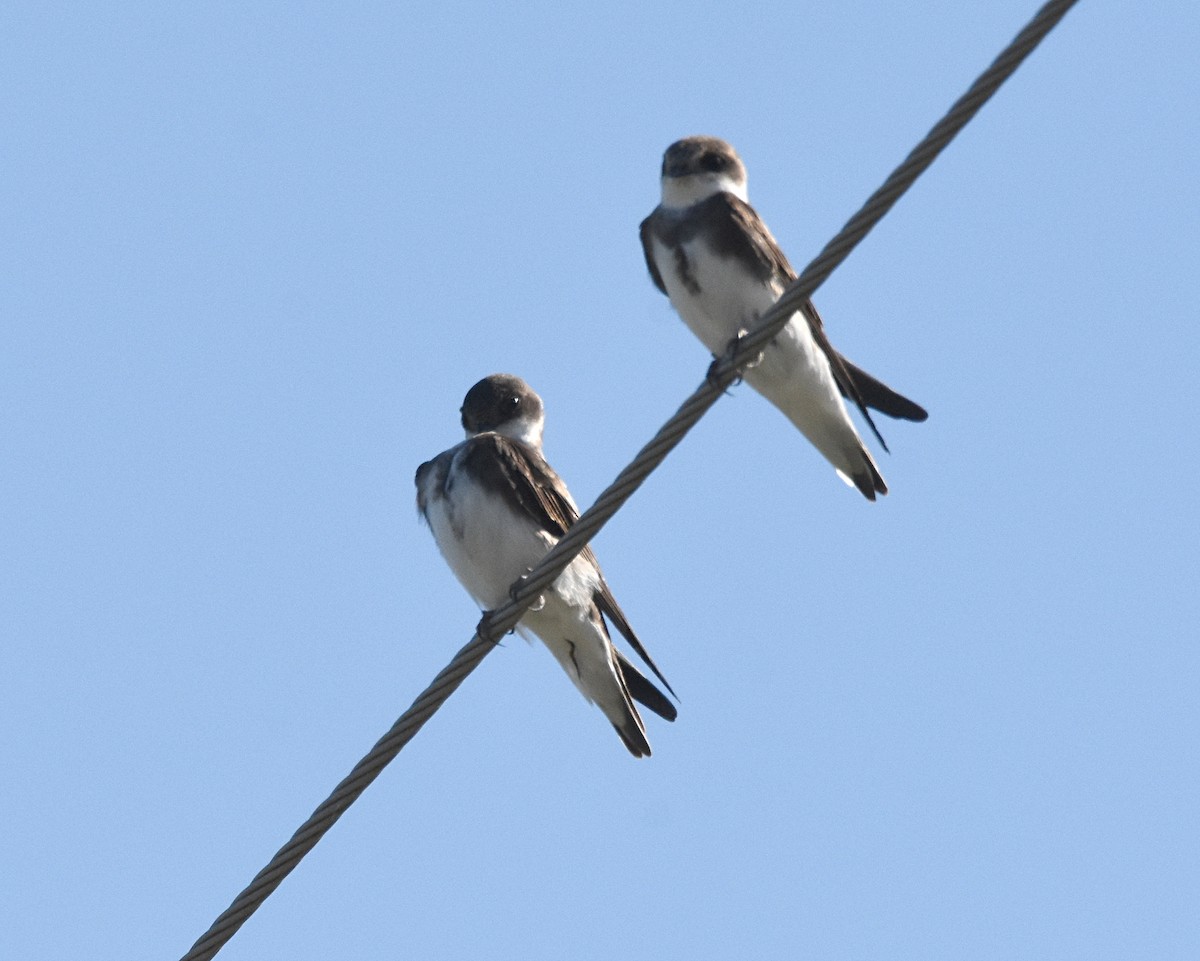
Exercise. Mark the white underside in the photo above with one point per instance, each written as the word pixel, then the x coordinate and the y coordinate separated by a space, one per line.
pixel 488 547
pixel 794 373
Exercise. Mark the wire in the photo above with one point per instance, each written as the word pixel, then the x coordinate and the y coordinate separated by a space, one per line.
pixel 495 624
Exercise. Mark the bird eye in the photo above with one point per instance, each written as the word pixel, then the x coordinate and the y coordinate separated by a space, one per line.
pixel 513 402
pixel 713 161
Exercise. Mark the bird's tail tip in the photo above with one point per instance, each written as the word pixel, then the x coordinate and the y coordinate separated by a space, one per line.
pixel 869 482
pixel 633 737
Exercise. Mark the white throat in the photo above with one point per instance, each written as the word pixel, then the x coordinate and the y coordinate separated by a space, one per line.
pixel 681 192
pixel 522 429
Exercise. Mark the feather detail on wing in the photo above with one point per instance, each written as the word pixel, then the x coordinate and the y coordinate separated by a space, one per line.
pixel 503 462
pixel 752 242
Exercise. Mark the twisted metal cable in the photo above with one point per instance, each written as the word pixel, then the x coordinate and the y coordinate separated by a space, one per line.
pixel 495 624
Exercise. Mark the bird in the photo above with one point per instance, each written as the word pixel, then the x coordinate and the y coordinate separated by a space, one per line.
pixel 711 253
pixel 495 508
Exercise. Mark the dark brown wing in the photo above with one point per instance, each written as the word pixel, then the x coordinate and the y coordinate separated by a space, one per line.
pixel 610 609
pixel 645 693
pixel 506 464
pixel 879 396
pixel 503 463
pixel 841 375
pixel 748 238
pixel 736 230
pixel 646 231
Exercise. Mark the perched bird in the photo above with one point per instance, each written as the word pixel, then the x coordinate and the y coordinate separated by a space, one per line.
pixel 496 508
pixel 709 251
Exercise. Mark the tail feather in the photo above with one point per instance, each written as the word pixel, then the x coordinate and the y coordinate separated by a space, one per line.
pixel 644 692
pixel 869 481
pixel 879 396
pixel 634 739
pixel 625 719
pixel 612 610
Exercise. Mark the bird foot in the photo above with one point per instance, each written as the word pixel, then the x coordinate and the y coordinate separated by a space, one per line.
pixel 515 590
pixel 711 376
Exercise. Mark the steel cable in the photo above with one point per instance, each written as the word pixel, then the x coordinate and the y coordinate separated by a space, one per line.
pixel 495 624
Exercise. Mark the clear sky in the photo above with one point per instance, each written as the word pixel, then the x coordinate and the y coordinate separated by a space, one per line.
pixel 255 254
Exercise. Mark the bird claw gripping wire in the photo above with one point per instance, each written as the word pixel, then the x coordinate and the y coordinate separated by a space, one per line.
pixel 484 627
pixel 731 352
pixel 515 590
pixel 712 375
pixel 735 347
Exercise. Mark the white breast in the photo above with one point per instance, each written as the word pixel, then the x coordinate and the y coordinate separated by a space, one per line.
pixel 793 372
pixel 730 299
pixel 487 544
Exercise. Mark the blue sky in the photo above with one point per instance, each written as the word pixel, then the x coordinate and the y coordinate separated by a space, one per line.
pixel 255 255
